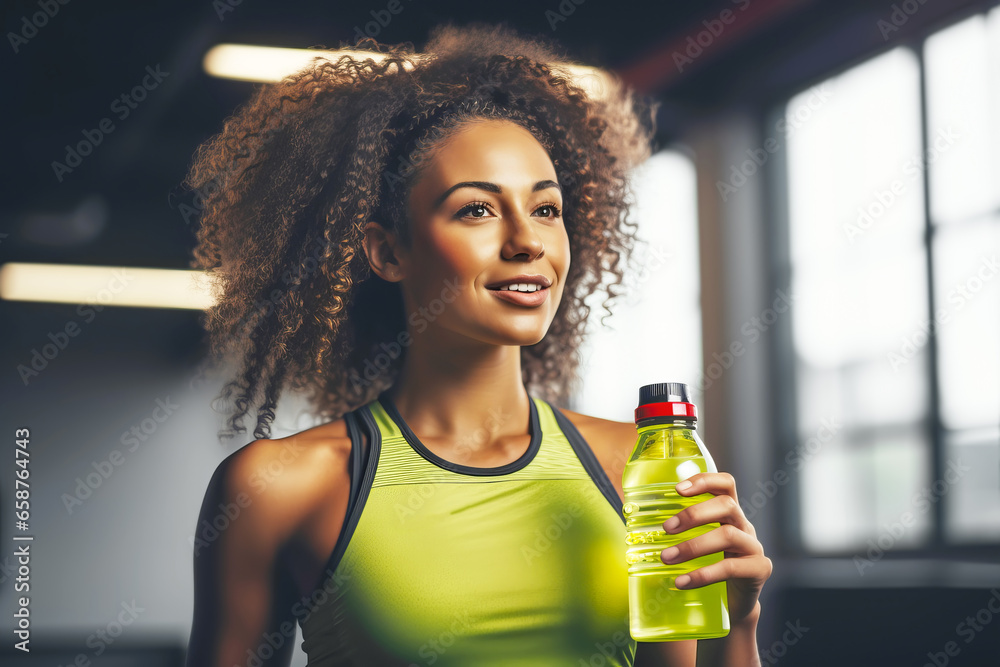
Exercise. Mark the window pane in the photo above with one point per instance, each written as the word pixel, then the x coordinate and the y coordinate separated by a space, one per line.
pixel 860 488
pixel 864 394
pixel 881 394
pixel 902 466
pixel 834 502
pixel 659 314
pixel 963 104
pixel 850 311
pixel 967 305
pixel 973 478
pixel 853 189
pixel 860 322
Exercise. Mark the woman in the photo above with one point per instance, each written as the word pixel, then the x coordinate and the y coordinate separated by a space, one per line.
pixel 410 242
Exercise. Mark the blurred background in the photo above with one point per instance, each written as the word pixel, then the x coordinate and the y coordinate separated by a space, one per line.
pixel 822 217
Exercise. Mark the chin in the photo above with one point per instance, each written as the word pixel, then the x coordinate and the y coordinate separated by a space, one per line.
pixel 510 337
pixel 527 339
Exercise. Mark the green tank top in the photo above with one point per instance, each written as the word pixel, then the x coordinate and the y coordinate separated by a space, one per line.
pixel 443 564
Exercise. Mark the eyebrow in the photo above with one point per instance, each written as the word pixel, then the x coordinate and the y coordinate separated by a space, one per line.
pixel 490 187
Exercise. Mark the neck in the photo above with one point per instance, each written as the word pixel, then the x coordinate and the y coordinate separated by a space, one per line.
pixel 452 387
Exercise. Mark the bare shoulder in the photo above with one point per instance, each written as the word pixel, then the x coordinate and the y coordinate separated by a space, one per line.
pixel 606 432
pixel 286 479
pixel 611 441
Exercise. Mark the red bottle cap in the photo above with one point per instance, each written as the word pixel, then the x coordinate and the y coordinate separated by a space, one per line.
pixel 665 399
pixel 672 409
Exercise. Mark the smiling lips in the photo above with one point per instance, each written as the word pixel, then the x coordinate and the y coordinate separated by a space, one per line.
pixel 519 298
pixel 523 289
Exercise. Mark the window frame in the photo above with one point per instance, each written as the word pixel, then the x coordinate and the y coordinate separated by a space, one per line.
pixel 782 352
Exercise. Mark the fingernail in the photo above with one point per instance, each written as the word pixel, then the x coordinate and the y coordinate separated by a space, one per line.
pixel 683 486
pixel 682 581
pixel 670 554
pixel 671 524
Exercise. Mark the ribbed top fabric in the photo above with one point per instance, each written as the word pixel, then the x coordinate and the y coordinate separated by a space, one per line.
pixel 444 564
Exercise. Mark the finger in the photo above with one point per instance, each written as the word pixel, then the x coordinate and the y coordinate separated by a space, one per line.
pixel 757 568
pixel 718 483
pixel 720 509
pixel 726 538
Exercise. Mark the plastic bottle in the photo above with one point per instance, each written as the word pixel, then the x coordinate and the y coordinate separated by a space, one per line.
pixel 667 451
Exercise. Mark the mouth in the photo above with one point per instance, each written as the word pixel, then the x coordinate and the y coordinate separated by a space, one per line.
pixel 517 297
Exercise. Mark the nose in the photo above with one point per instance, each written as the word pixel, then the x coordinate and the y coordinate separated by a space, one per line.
pixel 522 239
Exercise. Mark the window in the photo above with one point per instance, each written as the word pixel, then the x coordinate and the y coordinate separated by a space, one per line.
pixel 894 232
pixel 654 334
pixel 963 80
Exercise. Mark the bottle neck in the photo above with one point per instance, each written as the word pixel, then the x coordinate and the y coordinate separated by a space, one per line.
pixel 659 422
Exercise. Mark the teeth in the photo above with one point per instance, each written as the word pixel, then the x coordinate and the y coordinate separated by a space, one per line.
pixel 522 287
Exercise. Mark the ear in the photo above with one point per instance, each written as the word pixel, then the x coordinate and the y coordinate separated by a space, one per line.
pixel 383 251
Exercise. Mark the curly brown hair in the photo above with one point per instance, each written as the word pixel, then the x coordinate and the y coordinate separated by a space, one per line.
pixel 297 171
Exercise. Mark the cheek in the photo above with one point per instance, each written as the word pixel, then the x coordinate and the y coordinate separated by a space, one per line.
pixel 454 255
pixel 560 252
pixel 567 254
pixel 565 261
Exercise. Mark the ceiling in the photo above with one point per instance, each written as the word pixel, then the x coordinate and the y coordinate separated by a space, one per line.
pixel 115 206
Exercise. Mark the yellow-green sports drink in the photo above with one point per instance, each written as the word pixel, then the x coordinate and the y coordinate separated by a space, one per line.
pixel 667 451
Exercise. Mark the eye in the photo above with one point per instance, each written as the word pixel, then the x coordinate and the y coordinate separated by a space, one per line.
pixel 482 209
pixel 474 206
pixel 556 212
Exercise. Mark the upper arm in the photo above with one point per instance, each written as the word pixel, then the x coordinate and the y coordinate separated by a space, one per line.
pixel 241 527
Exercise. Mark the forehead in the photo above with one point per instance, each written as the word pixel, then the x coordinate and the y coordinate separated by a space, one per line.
pixel 490 149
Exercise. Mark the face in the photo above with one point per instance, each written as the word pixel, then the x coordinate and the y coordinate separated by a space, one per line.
pixel 486 208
